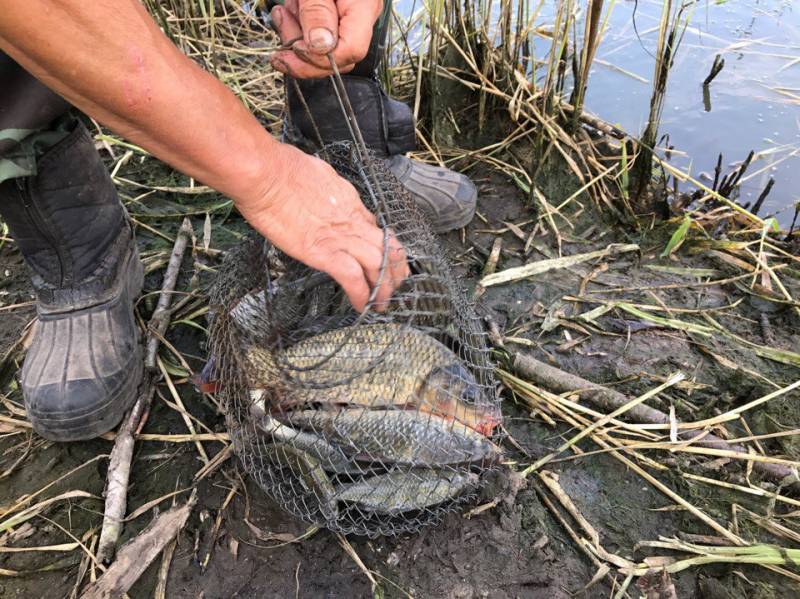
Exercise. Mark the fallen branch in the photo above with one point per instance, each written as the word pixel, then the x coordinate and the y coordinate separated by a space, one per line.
pixel 160 318
pixel 558 381
pixel 136 555
pixel 119 468
pixel 595 122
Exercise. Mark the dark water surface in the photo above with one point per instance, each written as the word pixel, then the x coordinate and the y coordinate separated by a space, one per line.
pixel 755 100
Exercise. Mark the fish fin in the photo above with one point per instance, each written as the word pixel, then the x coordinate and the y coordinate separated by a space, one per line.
pixel 204 381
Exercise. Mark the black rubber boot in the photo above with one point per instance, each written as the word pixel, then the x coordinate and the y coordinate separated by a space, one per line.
pixel 84 364
pixel 447 198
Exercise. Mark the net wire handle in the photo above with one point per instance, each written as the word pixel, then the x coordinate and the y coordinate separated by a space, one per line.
pixel 364 158
pixel 358 139
pixel 302 99
pixel 355 133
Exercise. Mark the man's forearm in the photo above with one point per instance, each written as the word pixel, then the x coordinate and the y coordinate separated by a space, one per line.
pixel 110 60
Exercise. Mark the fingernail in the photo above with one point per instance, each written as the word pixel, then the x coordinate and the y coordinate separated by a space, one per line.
pixel 320 39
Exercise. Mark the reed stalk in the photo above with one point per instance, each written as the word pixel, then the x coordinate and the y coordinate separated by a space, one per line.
pixel 675 16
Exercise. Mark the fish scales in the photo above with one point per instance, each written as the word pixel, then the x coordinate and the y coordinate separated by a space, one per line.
pixel 404 491
pixel 325 359
pixel 397 436
pixel 374 365
pixel 331 458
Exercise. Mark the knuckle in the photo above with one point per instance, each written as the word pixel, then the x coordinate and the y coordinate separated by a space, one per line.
pixel 351 271
pixel 316 10
pixel 349 52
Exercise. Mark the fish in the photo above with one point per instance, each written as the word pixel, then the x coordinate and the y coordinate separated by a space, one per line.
pixel 375 365
pixel 399 492
pixel 330 457
pixel 397 436
pixel 250 313
pixel 308 472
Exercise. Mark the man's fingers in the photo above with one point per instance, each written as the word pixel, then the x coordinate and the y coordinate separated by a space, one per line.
pixel 346 271
pixel 319 20
pixel 371 259
pixel 287 25
pixel 398 261
pixel 396 264
pixel 289 63
pixel 355 30
pixel 316 27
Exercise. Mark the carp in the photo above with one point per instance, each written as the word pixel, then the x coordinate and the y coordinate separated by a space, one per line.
pixel 397 436
pixel 405 491
pixel 375 365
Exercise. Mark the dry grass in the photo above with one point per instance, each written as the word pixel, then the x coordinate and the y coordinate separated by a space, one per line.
pixel 482 53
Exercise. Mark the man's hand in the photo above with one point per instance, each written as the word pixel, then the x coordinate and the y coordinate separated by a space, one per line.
pixel 131 78
pixel 313 28
pixel 317 217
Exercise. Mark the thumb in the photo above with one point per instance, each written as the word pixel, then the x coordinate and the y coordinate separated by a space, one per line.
pixel 319 20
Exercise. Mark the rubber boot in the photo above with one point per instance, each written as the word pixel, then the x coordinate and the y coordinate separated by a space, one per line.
pixel 315 117
pixel 84 364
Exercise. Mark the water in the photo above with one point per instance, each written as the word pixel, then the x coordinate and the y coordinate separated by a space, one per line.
pixel 754 101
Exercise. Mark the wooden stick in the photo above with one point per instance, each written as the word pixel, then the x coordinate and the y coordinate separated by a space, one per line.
pixel 559 381
pixel 160 318
pixel 136 555
pixel 119 468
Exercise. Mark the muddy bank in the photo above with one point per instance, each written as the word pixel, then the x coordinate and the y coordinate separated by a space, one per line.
pixel 239 544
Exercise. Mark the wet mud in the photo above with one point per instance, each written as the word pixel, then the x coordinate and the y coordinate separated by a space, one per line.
pixel 237 543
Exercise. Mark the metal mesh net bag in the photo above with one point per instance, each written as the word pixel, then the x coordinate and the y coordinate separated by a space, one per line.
pixel 375 423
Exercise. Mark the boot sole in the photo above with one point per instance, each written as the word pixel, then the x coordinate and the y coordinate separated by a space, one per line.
pixel 99 422
pixel 457 221
pixel 109 414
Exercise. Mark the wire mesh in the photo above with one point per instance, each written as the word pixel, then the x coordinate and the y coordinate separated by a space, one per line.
pixel 373 423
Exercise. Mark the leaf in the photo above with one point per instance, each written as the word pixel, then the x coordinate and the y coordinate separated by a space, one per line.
pixel 207 231
pixel 672 323
pixel 677 237
pixel 34 510
pixel 771 223
pixel 542 266
pixel 174 369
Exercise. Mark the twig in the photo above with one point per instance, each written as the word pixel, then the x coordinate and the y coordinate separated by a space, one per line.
pixel 160 318
pixel 760 201
pixel 137 554
pixel 628 405
pixel 595 122
pixel 119 468
pixel 354 556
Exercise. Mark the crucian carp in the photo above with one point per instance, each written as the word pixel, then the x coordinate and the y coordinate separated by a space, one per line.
pixel 376 366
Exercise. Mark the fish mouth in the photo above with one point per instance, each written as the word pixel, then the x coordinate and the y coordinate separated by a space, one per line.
pixel 485 426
